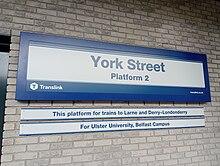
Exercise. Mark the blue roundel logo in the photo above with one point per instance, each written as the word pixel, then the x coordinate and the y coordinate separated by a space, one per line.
pixel 34 86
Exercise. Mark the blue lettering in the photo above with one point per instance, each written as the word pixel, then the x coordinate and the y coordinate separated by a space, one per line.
pixel 137 65
pixel 95 61
pixel 107 63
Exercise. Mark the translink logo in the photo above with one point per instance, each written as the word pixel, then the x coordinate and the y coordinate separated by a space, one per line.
pixel 34 86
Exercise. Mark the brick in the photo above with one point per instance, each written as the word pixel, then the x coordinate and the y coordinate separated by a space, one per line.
pixel 98 8
pixel 62 103
pixel 38 162
pixel 196 136
pixel 102 156
pixel 137 153
pixel 104 103
pixel 114 162
pixel 93 150
pixel 198 158
pixel 10 111
pixel 102 142
pixel 147 133
pixel 8 141
pixel 110 17
pixel 190 142
pixel 117 34
pixel 74 137
pixel 92 36
pixel 154 139
pixel 36 4
pixel 124 19
pixel 134 26
pixel 83 158
pixel 177 155
pixel 130 147
pixel 176 143
pixel 84 18
pixel 25 156
pixel 102 21
pixel 183 149
pixel 35 16
pixel 44 23
pixel 113 39
pixel 169 150
pixel 85 7
pixel 191 154
pixel 55 19
pixel 33 28
pixel 9 126
pixel 184 160
pixel 61 145
pixel 50 138
pixel 133 134
pixel 117 23
pixel 119 103
pixel 13 149
pixel 161 144
pixel 163 157
pixel 14 163
pixel 169 138
pixel 130 161
pixel 156 163
pixel 6 158
pixel 108 6
pixel 74 34
pixel 54 31
pixel 40 104
pixel 160 132
pixel 196 147
pixel 38 147
pixel 120 141
pixel 96 135
pixel 26 140
pixel 83 143
pixel 61 160
pixel 146 159
pixel 155 151
pixel 23 20
pixel 11 81
pixel 171 162
pixel 136 37
pixel 146 146
pixel 121 154
pixel 15 103
pixel 50 154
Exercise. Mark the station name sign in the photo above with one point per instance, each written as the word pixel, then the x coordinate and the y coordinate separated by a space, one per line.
pixel 58 68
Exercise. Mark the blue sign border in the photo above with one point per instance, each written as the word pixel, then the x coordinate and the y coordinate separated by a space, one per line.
pixel 112 92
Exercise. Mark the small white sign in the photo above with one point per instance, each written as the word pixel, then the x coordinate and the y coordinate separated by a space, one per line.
pixel 96 126
pixel 90 113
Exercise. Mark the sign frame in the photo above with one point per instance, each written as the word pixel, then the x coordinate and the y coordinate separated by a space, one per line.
pixel 149 93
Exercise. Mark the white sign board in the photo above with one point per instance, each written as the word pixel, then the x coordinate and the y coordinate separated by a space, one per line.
pixel 85 113
pixel 96 126
pixel 110 68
